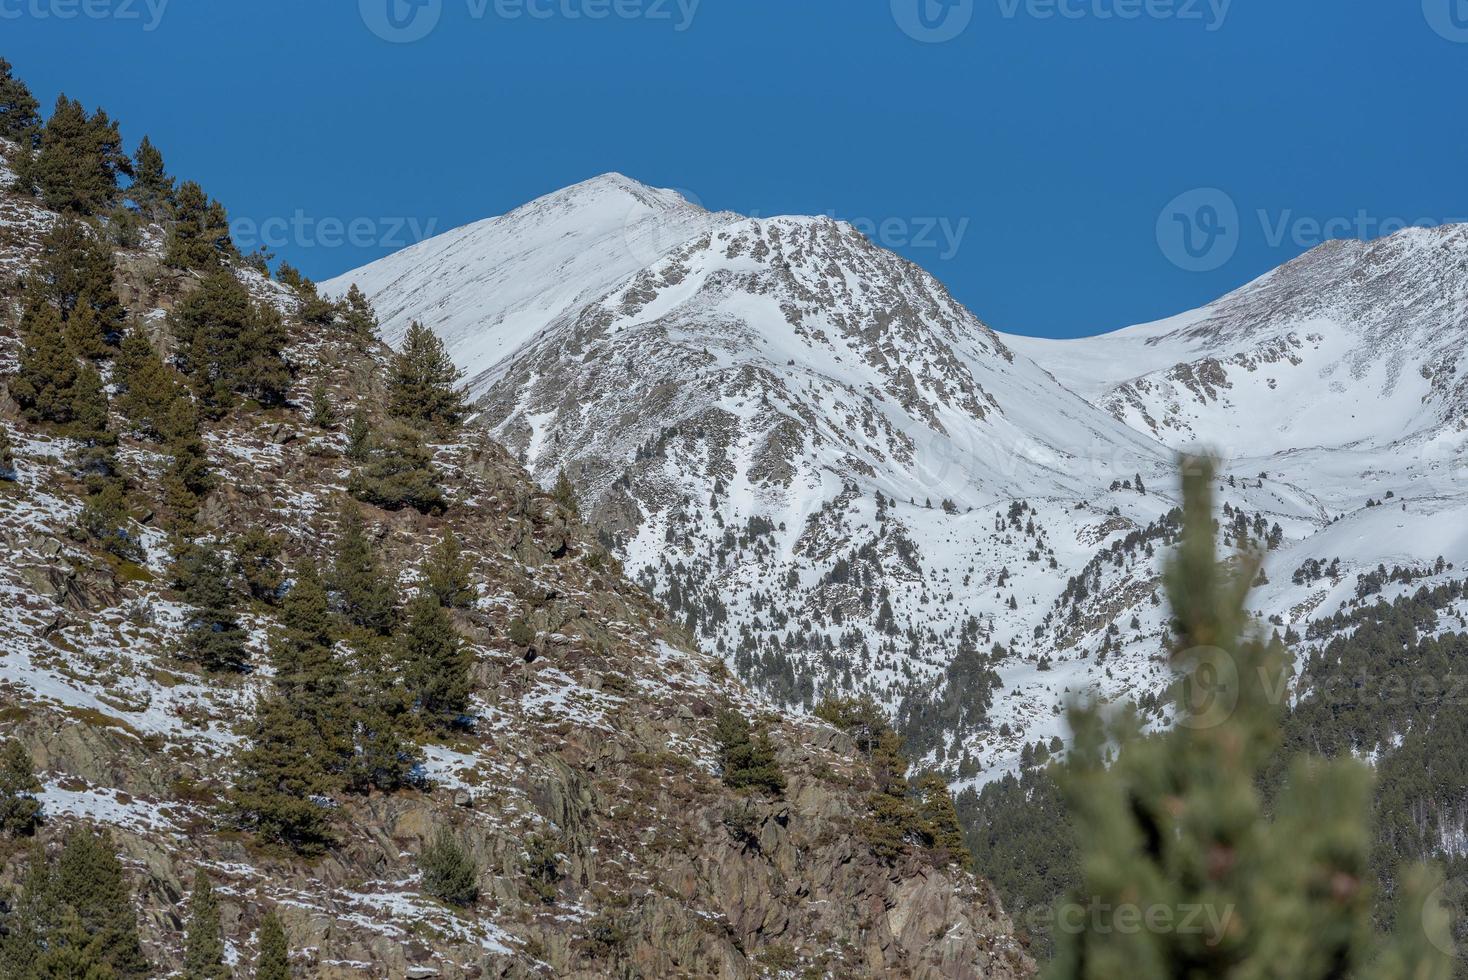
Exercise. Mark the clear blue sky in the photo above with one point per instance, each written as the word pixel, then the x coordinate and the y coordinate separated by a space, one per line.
pixel 1029 160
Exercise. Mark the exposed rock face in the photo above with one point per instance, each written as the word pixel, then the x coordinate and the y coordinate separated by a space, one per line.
pixel 588 789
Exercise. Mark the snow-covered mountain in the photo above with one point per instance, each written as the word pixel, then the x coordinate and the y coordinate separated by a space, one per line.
pixel 840 478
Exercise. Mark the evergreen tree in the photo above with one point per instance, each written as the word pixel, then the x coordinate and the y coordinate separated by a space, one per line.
pixel 941 816
pixel 285 775
pixel 423 388
pixel 152 187
pixel 1177 822
pixel 450 874
pixel 76 272
pixel 89 417
pixel 20 811
pixel 231 345
pixel 435 662
pixel 79 160
pixel 20 119
pixel 359 435
pixel 105 520
pixel 358 316
pixel 88 880
pixel 323 413
pixel 258 552
pixel 564 493
pixel 30 919
pixel 383 754
pixel 366 596
pixel 274 961
pixel 200 235
pixel 146 387
pixel 48 370
pixel 398 473
pixel 747 760
pixel 446 574
pixel 7 457
pixel 187 478
pixel 213 637
pixel 204 943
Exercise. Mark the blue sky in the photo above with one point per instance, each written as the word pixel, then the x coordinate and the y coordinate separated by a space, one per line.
pixel 1065 166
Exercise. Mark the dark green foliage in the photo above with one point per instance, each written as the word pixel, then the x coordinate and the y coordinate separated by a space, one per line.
pixel 747 760
pixel 1177 821
pixel 274 962
pixel 146 386
pixel 359 435
pixel 75 272
pixel 106 521
pixel 204 943
pixel 358 316
pixel 423 388
pixel 74 917
pixel 20 117
pixel 79 160
pixel 446 574
pixel 20 811
pixel 230 345
pixel 564 493
pixel 542 867
pixel 7 457
pixel 365 595
pixel 1024 842
pixel 450 874
pixel 435 663
pixel 44 385
pixel 152 188
pixel 188 477
pixel 200 235
pixel 957 705
pixel 258 552
pixel 398 473
pixel 940 816
pixel 213 638
pixel 323 412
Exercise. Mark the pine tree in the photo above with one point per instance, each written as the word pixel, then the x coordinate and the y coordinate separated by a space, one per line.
pixel 359 435
pixel 76 271
pixel 285 774
pixel 1176 823
pixel 366 596
pixel 258 552
pixel 231 345
pixel 89 417
pixel 446 574
pixel 89 881
pixel 747 760
pixel 106 520
pixel 187 478
pixel 152 187
pixel 423 388
pixel 941 816
pixel 358 316
pixel 79 160
pixel 564 493
pixel 20 119
pixel 146 386
pixel 200 235
pixel 213 637
pixel 383 754
pixel 435 662
pixel 450 874
pixel 398 473
pixel 323 413
pixel 274 961
pixel 204 943
pixel 8 473
pixel 20 811
pixel 33 917
pixel 48 370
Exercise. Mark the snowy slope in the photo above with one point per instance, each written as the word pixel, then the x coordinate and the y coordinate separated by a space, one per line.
pixel 841 479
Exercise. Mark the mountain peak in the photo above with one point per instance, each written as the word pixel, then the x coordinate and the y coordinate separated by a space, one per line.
pixel 615 189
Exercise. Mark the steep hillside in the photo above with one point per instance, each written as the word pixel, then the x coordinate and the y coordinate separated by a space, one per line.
pixel 586 777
